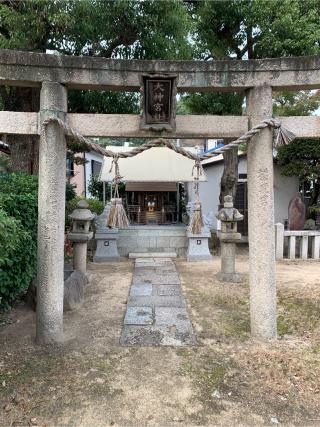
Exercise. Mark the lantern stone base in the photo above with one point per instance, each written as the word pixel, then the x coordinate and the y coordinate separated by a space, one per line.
pixel 80 243
pixel 228 261
pixel 107 248
pixel 74 290
pixel 198 246
pixel 229 277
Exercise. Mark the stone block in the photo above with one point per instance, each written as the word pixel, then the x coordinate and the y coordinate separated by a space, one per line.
pixel 173 317
pixel 315 250
pixel 157 301
pixel 140 280
pixel 198 247
pixel 146 254
pixel 143 242
pixel 166 279
pixel 139 316
pixel 74 290
pixel 127 242
pixel 156 336
pixel 163 242
pixel 142 270
pixel 140 336
pixel 152 242
pixel 229 277
pixel 168 290
pixel 178 242
pixel 279 229
pixel 166 269
pixel 144 289
pixel 107 248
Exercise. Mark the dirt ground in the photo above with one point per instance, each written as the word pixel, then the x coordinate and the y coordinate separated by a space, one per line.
pixel 227 379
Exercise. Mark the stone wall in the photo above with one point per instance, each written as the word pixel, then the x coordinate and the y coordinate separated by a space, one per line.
pixel 153 239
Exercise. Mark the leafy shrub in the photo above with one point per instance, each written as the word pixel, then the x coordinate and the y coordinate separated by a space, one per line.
pixel 18 229
pixel 95 187
pixel 95 205
pixel 17 264
pixel 70 191
pixel 19 198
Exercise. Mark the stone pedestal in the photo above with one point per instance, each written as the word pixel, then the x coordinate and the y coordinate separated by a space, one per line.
pixel 106 239
pixel 228 216
pixel 198 246
pixel 228 257
pixel 107 249
pixel 80 235
pixel 80 242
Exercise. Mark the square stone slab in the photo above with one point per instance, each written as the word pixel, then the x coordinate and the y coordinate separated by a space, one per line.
pixel 165 290
pixel 155 336
pixel 142 280
pixel 173 318
pixel 157 301
pixel 141 290
pixel 138 316
pixel 166 270
pixel 142 255
pixel 166 279
pixel 139 270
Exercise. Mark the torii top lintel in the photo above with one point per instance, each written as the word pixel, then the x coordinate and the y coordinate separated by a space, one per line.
pixel 30 69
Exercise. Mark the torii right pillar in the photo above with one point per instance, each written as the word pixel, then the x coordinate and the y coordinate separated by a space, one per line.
pixel 262 277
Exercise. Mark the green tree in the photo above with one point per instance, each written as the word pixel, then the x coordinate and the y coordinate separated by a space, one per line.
pixel 18 231
pixel 126 29
pixel 302 158
pixel 252 29
pixel 301 103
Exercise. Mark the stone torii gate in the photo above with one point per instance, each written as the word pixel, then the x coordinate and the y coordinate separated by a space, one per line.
pixel 56 74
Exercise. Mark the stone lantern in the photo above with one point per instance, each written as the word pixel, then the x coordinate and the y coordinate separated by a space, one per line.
pixel 80 234
pixel 228 235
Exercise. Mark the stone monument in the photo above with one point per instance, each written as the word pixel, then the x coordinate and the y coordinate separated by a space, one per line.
pixel 80 235
pixel 229 216
pixel 296 213
pixel 106 239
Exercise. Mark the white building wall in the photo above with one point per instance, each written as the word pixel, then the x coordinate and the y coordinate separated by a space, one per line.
pixel 284 189
pixel 87 176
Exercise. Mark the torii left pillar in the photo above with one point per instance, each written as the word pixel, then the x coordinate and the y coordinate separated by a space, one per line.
pixel 51 216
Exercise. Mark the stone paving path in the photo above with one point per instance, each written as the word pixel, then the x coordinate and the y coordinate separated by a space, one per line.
pixel 156 309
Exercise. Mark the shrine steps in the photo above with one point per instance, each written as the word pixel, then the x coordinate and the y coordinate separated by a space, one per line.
pixel 133 255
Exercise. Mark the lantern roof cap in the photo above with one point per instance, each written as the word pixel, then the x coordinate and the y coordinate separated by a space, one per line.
pixel 82 213
pixel 228 213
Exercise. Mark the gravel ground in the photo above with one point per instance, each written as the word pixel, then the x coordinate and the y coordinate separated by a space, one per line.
pixel 227 379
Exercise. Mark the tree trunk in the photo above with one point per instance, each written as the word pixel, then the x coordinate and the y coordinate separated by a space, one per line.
pixel 315 193
pixel 229 179
pixel 24 148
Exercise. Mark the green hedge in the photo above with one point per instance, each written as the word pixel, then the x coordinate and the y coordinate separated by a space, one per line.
pixel 18 228
pixel 17 263
pixel 18 232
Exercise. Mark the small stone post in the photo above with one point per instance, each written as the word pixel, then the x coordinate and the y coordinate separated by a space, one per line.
pixel 229 216
pixel 279 240
pixel 262 278
pixel 80 235
pixel 51 215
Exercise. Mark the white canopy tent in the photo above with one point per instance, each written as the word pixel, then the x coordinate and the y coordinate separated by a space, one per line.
pixel 159 164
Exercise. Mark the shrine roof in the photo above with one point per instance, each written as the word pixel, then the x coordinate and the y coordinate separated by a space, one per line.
pixel 159 164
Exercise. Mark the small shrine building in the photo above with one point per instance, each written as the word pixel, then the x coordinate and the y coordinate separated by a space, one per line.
pixel 152 184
